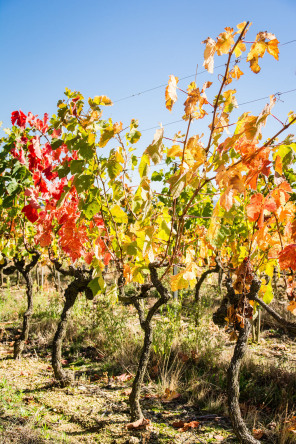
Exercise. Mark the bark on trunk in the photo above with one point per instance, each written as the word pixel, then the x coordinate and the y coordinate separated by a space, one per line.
pixel 238 423
pixel 20 342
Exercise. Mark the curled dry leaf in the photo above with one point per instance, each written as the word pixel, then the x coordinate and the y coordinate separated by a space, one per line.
pixel 141 424
pixel 124 377
pixel 258 433
pixel 170 395
pixel 183 426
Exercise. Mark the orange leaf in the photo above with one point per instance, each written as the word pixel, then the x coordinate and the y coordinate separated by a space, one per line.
pixel 287 257
pixel 255 206
pixel 292 307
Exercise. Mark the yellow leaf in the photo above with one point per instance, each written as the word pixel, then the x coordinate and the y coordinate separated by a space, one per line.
pixel 266 293
pixel 236 72
pixel 215 223
pixel 138 275
pixel 272 48
pixel 175 151
pixel 186 278
pixel 195 149
pixel 118 214
pixel 91 138
pixel 191 101
pixel 225 41
pixel 171 92
pixel 209 54
pixel 102 100
pixel 239 49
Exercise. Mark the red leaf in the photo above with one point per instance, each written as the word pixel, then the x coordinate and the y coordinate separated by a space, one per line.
pixel 107 258
pixel 19 117
pixel 30 213
pixel 88 258
pixel 56 133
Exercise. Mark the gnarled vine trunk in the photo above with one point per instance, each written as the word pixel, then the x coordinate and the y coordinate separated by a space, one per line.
pixel 25 270
pixel 234 299
pixel 80 284
pixel 238 423
pixel 134 399
pixel 202 279
pixel 19 344
pixel 146 324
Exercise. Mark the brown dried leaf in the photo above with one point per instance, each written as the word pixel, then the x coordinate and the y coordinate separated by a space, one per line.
pixel 170 395
pixel 141 424
pixel 258 433
pixel 184 426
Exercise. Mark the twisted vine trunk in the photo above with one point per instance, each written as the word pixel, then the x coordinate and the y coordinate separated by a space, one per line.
pixel 146 324
pixel 20 342
pixel 238 423
pixel 78 285
pixel 134 399
pixel 25 270
pixel 202 279
pixel 71 294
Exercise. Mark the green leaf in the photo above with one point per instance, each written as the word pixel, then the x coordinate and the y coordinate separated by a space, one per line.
pixel 157 176
pixel 76 166
pixel 56 143
pixel 114 168
pixel 144 166
pixel 83 182
pixel 85 150
pixel 92 209
pixel 130 248
pixel 12 186
pixel 8 202
pixel 64 170
pixel 97 285
pixel 285 152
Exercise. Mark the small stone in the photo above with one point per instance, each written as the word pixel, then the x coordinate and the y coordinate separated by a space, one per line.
pixel 133 440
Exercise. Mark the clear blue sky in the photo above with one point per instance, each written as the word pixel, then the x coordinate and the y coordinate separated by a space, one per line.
pixel 123 47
